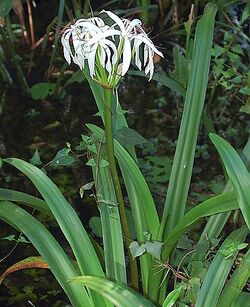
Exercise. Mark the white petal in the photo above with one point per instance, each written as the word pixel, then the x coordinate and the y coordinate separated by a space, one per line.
pixel 149 43
pixel 133 24
pixel 103 35
pixel 126 57
pixel 91 61
pixel 116 19
pixel 108 61
pixel 103 57
pixel 66 47
pixel 137 44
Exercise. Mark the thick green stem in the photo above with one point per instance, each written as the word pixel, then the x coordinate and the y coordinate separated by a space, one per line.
pixel 116 182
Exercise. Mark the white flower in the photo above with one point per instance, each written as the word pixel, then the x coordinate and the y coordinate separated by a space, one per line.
pixel 77 43
pixel 109 50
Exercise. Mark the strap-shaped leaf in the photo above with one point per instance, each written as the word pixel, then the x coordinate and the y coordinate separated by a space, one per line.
pixel 194 100
pixel 214 205
pixel 236 283
pixel 237 172
pixel 48 248
pixel 66 218
pixel 219 269
pixel 23 198
pixel 117 294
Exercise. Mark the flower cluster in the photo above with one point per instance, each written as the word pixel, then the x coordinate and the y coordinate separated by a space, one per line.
pixel 109 49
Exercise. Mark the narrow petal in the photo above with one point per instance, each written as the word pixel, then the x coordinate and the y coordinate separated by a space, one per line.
pixel 103 35
pixel 149 43
pixel 66 47
pixel 91 61
pixel 116 19
pixel 137 44
pixel 126 56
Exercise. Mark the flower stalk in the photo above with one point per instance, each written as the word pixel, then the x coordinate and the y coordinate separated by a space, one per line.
pixel 116 182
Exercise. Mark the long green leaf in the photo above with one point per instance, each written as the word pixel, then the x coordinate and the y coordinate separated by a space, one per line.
pixel 195 96
pixel 217 222
pixel 243 299
pixel 222 203
pixel 115 266
pixel 237 172
pixel 236 283
pixel 127 163
pixel 219 269
pixel 66 218
pixel 140 223
pixel 48 248
pixel 119 295
pixel 163 79
pixel 20 197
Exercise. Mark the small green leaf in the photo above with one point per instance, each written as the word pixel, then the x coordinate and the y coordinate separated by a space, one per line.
pixel 42 90
pixel 136 249
pixel 92 148
pixel 172 297
pixel 154 248
pixel 35 160
pixel 245 91
pixel 245 108
pixel 91 162
pixel 217 51
pixel 63 158
pixel 103 163
pixel 5 7
pixel 1 163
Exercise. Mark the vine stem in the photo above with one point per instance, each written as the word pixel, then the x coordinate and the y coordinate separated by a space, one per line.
pixel 116 182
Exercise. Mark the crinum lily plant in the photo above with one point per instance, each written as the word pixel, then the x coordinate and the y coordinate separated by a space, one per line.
pixel 108 50
pixel 104 50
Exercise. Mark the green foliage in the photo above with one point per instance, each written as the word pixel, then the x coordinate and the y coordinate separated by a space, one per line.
pixel 42 90
pixel 5 7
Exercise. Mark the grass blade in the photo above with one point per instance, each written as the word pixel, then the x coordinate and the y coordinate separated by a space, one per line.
pixel 219 269
pixel 119 295
pixel 184 156
pixel 237 172
pixel 51 252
